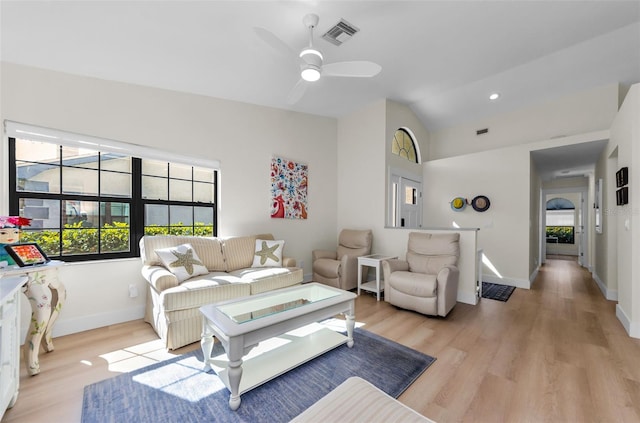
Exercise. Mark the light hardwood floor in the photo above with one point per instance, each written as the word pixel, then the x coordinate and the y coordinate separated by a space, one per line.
pixel 555 353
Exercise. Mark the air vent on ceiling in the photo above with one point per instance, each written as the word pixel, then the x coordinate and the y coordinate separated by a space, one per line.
pixel 340 32
pixel 482 131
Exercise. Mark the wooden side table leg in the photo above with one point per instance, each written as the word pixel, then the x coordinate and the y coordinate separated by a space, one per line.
pixel 39 295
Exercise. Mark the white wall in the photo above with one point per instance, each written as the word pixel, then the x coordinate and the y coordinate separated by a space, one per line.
pixel 503 175
pixel 605 258
pixel 363 139
pixel 243 137
pixel 535 221
pixel 579 113
pixel 625 138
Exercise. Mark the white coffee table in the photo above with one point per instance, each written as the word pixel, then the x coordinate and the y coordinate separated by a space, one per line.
pixel 244 323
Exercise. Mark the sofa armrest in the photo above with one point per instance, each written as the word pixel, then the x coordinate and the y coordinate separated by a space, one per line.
pixel 447 280
pixel 288 262
pixel 318 254
pixel 159 277
pixel 393 265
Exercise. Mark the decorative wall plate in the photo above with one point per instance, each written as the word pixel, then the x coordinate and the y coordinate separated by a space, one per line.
pixel 458 204
pixel 480 203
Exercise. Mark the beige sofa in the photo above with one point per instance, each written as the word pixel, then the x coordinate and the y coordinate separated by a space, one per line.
pixel 173 307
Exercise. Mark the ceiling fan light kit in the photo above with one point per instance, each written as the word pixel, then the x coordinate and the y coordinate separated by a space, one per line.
pixel 310 73
pixel 311 61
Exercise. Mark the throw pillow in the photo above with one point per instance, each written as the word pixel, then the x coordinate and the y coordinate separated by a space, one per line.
pixel 268 253
pixel 182 261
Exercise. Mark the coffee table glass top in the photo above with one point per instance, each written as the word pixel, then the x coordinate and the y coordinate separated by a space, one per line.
pixel 256 307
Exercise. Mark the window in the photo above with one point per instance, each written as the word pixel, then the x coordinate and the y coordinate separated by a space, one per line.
pixel 560 224
pixel 88 204
pixel 178 199
pixel 402 145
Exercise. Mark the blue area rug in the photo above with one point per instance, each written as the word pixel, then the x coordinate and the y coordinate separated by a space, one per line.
pixel 178 390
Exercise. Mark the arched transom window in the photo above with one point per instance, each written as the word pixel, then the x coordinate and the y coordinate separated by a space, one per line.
pixel 403 146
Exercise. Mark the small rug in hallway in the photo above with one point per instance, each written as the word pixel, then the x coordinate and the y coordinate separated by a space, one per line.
pixel 494 291
pixel 178 390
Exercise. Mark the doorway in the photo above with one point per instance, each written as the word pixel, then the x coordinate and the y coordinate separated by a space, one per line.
pixel 406 204
pixel 564 226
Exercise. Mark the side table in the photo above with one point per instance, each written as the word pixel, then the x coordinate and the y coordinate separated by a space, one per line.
pixel 45 307
pixel 373 260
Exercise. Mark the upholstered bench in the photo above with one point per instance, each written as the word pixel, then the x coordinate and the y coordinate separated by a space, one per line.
pixel 357 401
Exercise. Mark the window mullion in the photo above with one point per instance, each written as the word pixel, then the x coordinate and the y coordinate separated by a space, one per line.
pixel 136 220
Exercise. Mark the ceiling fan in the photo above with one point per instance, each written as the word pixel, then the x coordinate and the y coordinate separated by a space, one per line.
pixel 310 60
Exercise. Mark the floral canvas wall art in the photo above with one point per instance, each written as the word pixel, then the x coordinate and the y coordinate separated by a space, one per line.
pixel 288 189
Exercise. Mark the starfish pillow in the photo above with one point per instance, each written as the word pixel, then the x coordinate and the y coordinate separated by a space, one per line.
pixel 182 261
pixel 268 253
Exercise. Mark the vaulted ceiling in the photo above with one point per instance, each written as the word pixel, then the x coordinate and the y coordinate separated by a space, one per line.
pixel 442 58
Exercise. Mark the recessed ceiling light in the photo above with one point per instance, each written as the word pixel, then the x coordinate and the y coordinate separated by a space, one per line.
pixel 494 96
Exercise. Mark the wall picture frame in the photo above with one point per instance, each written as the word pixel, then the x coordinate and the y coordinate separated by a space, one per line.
pixel 622 196
pixel 622 177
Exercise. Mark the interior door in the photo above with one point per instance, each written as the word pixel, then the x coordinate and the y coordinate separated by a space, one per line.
pixel 410 196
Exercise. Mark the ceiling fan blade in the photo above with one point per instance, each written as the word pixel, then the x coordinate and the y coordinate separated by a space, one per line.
pixel 297 92
pixel 358 69
pixel 276 43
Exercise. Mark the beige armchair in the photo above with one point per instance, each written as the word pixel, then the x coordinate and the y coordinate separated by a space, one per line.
pixel 340 268
pixel 427 282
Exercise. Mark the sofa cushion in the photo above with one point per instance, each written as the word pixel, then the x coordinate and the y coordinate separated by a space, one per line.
pixel 238 252
pixel 208 249
pixel 414 284
pixel 204 289
pixel 182 261
pixel 428 253
pixel 263 279
pixel 268 253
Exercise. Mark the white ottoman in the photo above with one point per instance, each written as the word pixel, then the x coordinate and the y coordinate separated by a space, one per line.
pixel 356 400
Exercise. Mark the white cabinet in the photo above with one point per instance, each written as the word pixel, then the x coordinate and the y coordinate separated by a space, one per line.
pixel 9 340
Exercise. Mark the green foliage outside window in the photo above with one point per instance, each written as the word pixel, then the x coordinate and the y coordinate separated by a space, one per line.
pixel 199 229
pixel 114 237
pixel 564 234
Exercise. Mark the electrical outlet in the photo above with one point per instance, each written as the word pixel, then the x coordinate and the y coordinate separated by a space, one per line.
pixel 133 291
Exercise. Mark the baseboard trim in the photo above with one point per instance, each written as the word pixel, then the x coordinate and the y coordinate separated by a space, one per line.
pixel 632 328
pixel 518 283
pixel 533 276
pixel 467 298
pixel 609 294
pixel 95 321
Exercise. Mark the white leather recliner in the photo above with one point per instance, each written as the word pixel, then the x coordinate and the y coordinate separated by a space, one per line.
pixel 427 281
